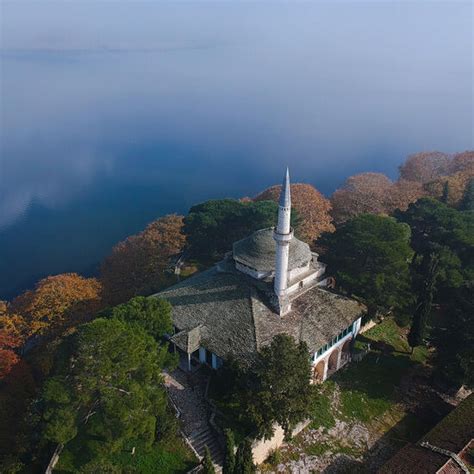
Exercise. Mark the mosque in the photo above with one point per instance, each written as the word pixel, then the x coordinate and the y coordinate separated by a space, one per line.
pixel 271 283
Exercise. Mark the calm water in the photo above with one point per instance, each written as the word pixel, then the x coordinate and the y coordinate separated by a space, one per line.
pixel 115 113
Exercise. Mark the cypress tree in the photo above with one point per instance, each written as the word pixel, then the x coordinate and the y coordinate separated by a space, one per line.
pixel 207 465
pixel 430 270
pixel 244 459
pixel 467 203
pixel 445 195
pixel 229 459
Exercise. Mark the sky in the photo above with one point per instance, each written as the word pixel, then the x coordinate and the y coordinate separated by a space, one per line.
pixel 177 102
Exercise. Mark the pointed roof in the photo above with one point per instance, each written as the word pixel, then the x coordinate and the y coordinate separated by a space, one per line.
pixel 285 195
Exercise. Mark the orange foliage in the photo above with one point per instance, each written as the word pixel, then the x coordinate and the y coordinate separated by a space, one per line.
pixel 373 193
pixel 56 302
pixel 8 358
pixel 312 207
pixel 402 194
pixel 425 166
pixel 462 162
pixel 138 264
pixel 362 193
pixel 456 187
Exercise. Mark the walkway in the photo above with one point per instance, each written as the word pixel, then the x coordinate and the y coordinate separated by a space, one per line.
pixel 187 392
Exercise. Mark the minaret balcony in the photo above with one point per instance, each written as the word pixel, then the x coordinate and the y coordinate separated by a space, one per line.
pixel 283 238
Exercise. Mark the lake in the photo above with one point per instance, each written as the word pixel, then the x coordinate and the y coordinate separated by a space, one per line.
pixel 115 113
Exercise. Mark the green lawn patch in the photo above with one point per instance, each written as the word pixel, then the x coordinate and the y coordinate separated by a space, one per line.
pixel 166 457
pixel 368 387
pixel 321 410
pixel 388 336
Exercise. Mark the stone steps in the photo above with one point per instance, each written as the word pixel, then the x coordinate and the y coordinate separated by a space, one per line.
pixel 204 438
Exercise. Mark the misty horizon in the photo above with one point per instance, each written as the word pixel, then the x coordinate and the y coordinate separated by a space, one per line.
pixel 113 114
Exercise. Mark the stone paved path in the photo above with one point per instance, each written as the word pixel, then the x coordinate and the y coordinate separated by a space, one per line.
pixel 187 392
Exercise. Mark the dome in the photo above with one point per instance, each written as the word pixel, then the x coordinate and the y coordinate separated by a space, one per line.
pixel 258 252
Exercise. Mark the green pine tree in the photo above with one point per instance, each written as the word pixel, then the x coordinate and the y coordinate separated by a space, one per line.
pixel 229 459
pixel 207 465
pixel 244 459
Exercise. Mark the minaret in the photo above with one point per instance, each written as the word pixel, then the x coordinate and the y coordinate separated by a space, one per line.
pixel 282 235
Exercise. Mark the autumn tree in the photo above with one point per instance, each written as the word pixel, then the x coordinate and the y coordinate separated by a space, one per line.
pixel 462 162
pixel 362 193
pixel 425 166
pixel 9 341
pixel 369 256
pixel 139 265
pixel 449 189
pixel 8 356
pixel 312 207
pixel 402 194
pixel 58 301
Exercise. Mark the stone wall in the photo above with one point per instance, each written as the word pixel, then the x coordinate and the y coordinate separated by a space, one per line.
pixel 262 448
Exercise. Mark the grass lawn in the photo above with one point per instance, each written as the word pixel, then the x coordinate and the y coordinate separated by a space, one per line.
pixel 173 457
pixel 166 457
pixel 365 393
pixel 368 387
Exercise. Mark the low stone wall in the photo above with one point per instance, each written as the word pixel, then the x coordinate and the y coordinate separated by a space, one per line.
pixel 262 448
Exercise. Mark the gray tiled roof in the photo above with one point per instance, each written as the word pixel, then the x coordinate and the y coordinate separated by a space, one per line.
pixel 258 251
pixel 236 316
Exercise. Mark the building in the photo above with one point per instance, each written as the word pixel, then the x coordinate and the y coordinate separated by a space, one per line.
pixel 447 449
pixel 271 283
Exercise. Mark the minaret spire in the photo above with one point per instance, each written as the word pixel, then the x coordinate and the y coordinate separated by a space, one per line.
pixel 283 235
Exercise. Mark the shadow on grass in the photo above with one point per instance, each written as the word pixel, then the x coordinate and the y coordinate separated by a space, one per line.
pixel 411 428
pixel 368 387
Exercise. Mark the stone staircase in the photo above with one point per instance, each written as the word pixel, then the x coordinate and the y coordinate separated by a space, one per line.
pixel 199 440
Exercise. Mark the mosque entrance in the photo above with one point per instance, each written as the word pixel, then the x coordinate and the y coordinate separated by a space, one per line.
pixel 318 371
pixel 333 360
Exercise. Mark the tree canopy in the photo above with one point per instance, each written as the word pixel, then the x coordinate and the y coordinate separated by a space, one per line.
pixel 440 229
pixel 312 208
pixel 57 302
pixel 425 166
pixel 284 374
pixel 467 203
pixel 213 226
pixel 369 256
pixel 152 314
pixel 443 241
pixel 107 389
pixel 372 193
pixel 454 341
pixel 276 388
pixel 138 265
